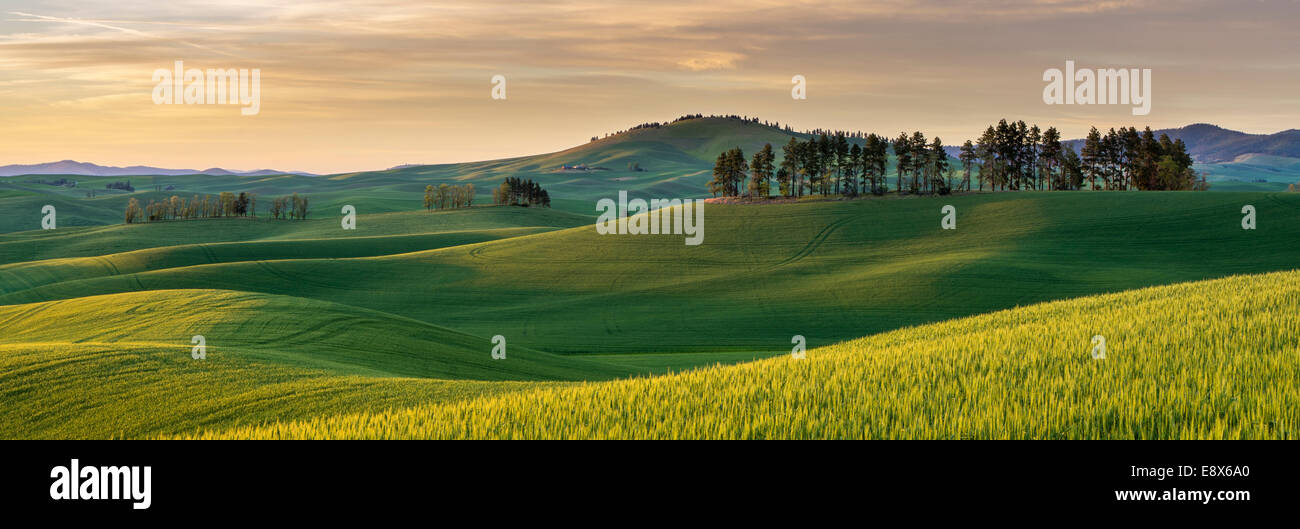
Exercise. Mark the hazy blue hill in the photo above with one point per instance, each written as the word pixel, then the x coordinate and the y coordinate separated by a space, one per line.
pixel 1236 161
pixel 1212 144
pixel 73 167
pixel 1252 172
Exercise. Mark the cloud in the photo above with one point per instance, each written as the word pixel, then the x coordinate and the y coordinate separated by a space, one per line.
pixel 28 17
pixel 712 61
pixel 415 75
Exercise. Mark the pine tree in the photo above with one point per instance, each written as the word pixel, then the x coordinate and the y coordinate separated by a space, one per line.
pixel 986 151
pixel 1050 153
pixel 938 166
pixel 920 162
pixel 850 170
pixel 902 158
pixel 720 171
pixel 1032 138
pixel 1091 156
pixel 788 174
pixel 843 161
pixel 761 172
pixel 737 168
pixel 967 158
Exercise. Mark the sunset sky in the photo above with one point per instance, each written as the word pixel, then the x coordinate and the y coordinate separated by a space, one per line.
pixel 353 85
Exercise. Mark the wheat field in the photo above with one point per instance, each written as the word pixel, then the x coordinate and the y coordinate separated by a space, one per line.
pixel 1206 360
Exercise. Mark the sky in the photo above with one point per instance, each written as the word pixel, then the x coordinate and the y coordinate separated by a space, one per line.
pixel 351 85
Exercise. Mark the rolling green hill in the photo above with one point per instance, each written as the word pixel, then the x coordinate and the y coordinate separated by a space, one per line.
pixel 1213 360
pixel 828 270
pixel 677 158
pixel 384 331
pixel 119 238
pixel 355 331
pixel 1252 172
pixel 121 365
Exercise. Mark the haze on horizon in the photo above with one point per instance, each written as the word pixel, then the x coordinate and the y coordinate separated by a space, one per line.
pixel 349 85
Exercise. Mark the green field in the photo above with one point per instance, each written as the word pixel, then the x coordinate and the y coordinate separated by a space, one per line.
pixel 313 330
pixel 1208 360
pixel 386 330
pixel 831 271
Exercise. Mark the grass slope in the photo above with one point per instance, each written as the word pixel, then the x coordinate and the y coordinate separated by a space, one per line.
pixel 677 158
pixel 38 245
pixel 121 365
pixel 1214 359
pixel 830 271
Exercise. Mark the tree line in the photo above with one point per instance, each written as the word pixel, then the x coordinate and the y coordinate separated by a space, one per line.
pixel 512 192
pixel 289 207
pixel 518 192
pixel 1008 156
pixel 1016 156
pixel 657 124
pixel 832 165
pixel 1127 159
pixel 226 204
pixel 446 196
pixel 746 119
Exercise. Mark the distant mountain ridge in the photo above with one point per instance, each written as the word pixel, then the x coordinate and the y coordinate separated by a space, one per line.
pixel 1214 144
pixel 682 150
pixel 73 167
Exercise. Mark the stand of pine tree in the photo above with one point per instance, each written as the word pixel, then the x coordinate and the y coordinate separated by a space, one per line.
pixel 1007 157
